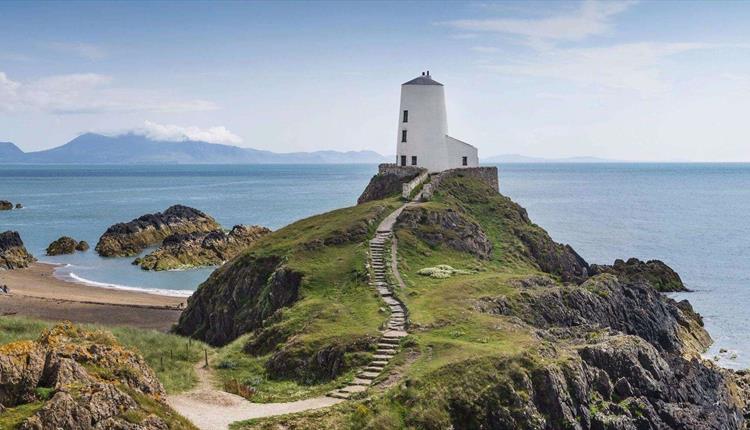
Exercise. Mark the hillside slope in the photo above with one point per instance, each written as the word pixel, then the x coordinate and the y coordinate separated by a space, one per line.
pixel 508 329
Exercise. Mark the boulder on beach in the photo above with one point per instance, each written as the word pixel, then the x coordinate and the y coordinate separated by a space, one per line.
pixel 13 254
pixel 201 249
pixel 82 246
pixel 5 205
pixel 63 245
pixel 130 238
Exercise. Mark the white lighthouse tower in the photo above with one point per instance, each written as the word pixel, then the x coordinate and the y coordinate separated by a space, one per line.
pixel 423 139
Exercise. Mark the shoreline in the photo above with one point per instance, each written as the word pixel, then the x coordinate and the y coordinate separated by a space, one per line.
pixel 37 293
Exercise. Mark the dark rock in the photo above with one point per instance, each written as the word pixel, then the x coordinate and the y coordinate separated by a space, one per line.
pixel 5 205
pixel 127 239
pixel 82 246
pixel 654 272
pixel 13 254
pixel 237 297
pixel 63 245
pixel 445 227
pixel 201 249
pixel 604 301
pixel 388 182
pixel 19 206
pixel 296 362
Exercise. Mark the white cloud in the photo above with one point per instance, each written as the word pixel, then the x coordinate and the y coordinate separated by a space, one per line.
pixel 176 133
pixel 86 93
pixel 592 18
pixel 633 66
pixel 83 50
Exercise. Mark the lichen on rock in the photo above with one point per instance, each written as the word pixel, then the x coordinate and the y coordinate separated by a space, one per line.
pixel 63 245
pixel 85 379
pixel 13 254
pixel 201 249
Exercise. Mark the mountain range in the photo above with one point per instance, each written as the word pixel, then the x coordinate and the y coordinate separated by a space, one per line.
pixel 92 148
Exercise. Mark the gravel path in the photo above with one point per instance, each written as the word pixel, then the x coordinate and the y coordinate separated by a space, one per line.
pixel 211 409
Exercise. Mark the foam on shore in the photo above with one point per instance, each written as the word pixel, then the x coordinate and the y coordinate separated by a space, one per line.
pixel 72 277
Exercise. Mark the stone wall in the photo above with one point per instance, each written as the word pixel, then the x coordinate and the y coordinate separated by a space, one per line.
pixel 400 171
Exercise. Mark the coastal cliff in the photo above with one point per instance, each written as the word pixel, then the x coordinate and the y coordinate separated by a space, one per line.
pixel 524 334
pixel 13 254
pixel 128 239
pixel 201 249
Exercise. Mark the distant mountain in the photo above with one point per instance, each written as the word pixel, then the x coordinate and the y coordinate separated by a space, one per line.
pixel 517 158
pixel 91 148
pixel 11 152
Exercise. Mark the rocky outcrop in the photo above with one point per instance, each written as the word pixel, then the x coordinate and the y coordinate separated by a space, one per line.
pixel 449 227
pixel 654 272
pixel 606 302
pixel 201 249
pixel 13 254
pixel 82 246
pixel 388 182
pixel 5 205
pixel 237 297
pixel 616 382
pixel 296 361
pixel 128 239
pixel 63 245
pixel 19 206
pixel 85 380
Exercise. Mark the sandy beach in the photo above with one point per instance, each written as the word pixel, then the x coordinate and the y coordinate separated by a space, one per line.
pixel 35 292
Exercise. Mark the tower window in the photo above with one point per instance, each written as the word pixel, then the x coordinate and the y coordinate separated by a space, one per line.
pixel 465 161
pixel 413 160
pixel 406 116
pixel 403 135
pixel 403 160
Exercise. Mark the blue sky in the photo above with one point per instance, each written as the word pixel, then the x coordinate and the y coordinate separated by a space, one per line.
pixel 627 80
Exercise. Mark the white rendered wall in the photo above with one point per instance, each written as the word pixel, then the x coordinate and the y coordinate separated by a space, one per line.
pixel 456 150
pixel 427 126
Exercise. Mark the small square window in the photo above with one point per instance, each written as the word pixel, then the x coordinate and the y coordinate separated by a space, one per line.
pixel 403 135
pixel 406 116
pixel 413 160
pixel 465 161
pixel 403 160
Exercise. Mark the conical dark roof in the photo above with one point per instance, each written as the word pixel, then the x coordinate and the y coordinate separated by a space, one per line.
pixel 423 80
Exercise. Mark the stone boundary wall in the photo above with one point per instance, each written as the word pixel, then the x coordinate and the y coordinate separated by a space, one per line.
pixel 400 171
pixel 408 187
pixel 488 175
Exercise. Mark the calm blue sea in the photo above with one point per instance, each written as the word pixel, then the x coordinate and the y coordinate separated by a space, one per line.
pixel 692 216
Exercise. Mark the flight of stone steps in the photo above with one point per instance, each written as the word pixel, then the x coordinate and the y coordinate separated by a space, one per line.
pixel 389 342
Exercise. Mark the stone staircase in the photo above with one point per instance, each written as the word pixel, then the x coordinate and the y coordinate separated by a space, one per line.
pixel 395 329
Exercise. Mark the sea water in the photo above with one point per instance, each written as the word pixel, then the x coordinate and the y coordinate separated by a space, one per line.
pixel 692 216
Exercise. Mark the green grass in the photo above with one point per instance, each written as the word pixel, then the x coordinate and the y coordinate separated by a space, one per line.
pixel 172 357
pixel 459 350
pixel 13 417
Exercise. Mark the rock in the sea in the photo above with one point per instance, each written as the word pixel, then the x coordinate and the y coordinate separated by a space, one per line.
pixel 19 206
pixel 201 249
pixel 82 246
pixel 653 272
pixel 128 239
pixel 85 381
pixel 63 245
pixel 5 205
pixel 13 254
